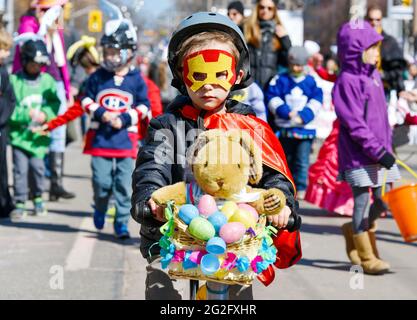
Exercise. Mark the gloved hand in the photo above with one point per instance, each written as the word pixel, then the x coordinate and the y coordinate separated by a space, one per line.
pixel 387 160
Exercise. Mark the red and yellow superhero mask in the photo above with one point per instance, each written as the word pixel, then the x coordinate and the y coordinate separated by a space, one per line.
pixel 215 67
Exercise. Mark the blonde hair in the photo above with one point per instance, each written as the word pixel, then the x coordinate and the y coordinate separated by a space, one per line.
pixel 6 41
pixel 201 39
pixel 252 30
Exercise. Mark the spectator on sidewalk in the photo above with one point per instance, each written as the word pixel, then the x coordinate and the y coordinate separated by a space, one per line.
pixel 236 13
pixel 268 41
pixel 391 62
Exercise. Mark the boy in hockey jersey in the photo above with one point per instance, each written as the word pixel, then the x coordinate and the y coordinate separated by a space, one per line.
pixel 294 99
pixel 116 99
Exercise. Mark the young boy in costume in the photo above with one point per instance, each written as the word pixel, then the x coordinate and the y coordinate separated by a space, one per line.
pixel 209 58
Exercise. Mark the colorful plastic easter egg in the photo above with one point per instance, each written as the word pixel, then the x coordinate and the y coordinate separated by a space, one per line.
pixel 201 229
pixel 229 209
pixel 209 264
pixel 218 220
pixel 244 217
pixel 249 208
pixel 187 213
pixel 232 231
pixel 216 245
pixel 207 205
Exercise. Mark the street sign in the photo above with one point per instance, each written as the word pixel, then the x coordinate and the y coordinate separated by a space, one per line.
pixel 95 21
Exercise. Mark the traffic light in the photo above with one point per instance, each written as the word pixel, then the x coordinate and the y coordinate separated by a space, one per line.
pixel 95 21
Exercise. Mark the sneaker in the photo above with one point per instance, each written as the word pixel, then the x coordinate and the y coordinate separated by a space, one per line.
pixel 99 219
pixel 121 230
pixel 40 209
pixel 19 212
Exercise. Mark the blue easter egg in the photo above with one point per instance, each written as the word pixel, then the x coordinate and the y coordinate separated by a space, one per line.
pixel 217 219
pixel 187 213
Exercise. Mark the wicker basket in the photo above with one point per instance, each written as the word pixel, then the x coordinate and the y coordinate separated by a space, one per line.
pixel 248 246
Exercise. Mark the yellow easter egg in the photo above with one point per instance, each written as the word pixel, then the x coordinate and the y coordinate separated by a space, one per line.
pixel 229 209
pixel 244 217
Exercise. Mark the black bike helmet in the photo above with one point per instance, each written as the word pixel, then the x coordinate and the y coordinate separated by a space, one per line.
pixel 34 51
pixel 123 38
pixel 208 21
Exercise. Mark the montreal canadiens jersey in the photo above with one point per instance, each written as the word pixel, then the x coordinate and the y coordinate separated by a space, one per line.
pixel 126 97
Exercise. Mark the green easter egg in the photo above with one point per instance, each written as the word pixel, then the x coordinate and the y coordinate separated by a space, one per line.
pixel 201 229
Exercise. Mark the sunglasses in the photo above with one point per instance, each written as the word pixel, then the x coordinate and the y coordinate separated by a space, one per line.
pixel 377 20
pixel 261 7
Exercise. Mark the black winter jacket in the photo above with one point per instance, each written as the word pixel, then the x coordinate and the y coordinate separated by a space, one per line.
pixel 156 165
pixel 265 60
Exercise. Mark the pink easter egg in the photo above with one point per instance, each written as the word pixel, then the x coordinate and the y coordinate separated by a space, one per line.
pixel 249 208
pixel 232 232
pixel 207 205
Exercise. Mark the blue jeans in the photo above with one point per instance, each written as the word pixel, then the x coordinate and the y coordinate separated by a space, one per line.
pixel 298 152
pixel 113 176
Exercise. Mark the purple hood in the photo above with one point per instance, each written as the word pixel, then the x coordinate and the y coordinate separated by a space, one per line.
pixel 352 41
pixel 359 99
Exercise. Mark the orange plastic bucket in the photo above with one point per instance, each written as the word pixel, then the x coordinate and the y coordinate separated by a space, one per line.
pixel 402 202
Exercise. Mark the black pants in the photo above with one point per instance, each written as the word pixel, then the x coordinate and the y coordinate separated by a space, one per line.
pixel 6 204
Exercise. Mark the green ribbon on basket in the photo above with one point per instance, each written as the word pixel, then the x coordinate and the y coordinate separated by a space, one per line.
pixel 168 228
pixel 267 234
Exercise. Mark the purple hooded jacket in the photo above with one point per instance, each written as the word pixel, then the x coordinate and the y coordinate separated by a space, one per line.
pixel 359 99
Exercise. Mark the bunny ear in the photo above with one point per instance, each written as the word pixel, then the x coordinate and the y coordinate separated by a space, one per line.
pixel 22 38
pixel 48 19
pixel 111 10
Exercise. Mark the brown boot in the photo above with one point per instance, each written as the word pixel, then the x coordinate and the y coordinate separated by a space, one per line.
pixel 351 251
pixel 369 263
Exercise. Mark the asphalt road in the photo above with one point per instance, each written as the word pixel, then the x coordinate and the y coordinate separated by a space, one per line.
pixel 62 256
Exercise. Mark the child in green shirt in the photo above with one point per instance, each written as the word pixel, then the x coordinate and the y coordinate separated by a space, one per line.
pixel 36 103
